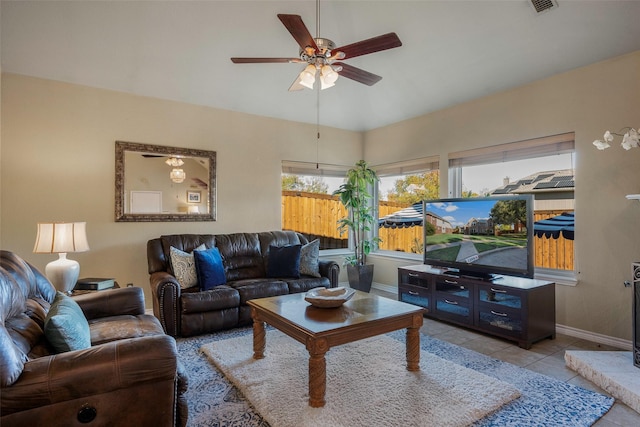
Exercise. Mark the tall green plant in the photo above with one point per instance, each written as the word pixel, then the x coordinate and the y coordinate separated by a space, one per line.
pixel 355 196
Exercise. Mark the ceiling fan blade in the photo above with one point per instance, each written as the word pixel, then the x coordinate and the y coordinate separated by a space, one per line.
pixel 296 86
pixel 375 44
pixel 298 30
pixel 357 74
pixel 264 60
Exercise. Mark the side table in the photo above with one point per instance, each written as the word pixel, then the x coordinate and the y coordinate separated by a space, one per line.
pixel 77 292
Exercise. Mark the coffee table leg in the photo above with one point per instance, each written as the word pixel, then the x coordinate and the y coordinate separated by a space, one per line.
pixel 259 337
pixel 317 371
pixel 413 344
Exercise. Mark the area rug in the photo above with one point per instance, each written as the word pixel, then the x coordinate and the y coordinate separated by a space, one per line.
pixel 545 402
pixel 367 385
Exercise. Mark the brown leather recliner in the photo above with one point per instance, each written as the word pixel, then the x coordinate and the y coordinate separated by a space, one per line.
pixel 130 363
pixel 188 312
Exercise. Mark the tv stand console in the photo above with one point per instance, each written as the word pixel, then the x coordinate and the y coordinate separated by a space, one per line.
pixel 513 308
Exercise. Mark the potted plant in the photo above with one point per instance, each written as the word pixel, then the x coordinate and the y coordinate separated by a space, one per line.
pixel 356 198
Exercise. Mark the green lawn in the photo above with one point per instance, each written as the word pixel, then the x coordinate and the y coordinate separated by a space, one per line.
pixel 446 254
pixel 481 243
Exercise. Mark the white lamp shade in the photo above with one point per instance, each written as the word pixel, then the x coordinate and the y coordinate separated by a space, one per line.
pixel 61 237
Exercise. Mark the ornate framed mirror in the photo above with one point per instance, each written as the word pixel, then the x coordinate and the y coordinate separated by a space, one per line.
pixel 160 183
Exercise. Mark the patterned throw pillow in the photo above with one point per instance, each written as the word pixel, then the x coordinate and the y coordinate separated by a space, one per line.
pixel 65 326
pixel 184 266
pixel 309 255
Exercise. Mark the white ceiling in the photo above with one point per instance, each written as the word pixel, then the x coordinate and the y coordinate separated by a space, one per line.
pixel 453 51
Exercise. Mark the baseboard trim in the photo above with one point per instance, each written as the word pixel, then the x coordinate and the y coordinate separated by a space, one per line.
pixel 594 337
pixel 385 288
pixel 379 286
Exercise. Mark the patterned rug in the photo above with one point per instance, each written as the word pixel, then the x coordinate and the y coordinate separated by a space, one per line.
pixel 545 401
pixel 367 384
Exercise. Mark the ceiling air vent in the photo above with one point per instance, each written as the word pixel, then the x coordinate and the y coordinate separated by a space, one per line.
pixel 543 5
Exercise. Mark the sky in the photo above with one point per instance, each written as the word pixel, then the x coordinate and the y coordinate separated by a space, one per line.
pixel 487 177
pixel 459 213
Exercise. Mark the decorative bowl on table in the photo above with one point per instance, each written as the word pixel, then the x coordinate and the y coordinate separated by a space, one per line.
pixel 329 298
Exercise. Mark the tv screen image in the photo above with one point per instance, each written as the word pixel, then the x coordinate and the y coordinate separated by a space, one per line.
pixel 481 237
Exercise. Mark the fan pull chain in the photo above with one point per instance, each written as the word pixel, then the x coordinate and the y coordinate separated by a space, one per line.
pixel 318 128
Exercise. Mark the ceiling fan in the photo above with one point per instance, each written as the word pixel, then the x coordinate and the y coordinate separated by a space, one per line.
pixel 322 56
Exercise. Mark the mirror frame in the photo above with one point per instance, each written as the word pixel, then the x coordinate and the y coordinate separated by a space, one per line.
pixel 121 216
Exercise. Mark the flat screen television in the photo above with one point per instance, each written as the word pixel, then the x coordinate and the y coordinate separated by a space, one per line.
pixel 480 237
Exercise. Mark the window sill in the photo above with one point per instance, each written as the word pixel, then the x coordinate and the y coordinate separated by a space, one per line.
pixel 397 255
pixel 566 278
pixel 335 252
pixel 559 277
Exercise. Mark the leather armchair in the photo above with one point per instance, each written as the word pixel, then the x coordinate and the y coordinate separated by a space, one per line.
pixel 129 362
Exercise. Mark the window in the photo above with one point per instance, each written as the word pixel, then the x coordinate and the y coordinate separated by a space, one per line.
pixel 543 167
pixel 401 186
pixel 308 206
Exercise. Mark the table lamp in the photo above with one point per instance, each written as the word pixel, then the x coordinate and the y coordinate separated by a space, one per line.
pixel 61 238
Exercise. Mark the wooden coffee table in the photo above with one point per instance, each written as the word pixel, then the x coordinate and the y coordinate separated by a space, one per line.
pixel 319 329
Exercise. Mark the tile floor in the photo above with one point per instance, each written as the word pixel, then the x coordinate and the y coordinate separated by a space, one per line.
pixel 546 357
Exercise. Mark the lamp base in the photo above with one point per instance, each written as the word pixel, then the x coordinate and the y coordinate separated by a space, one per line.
pixel 63 273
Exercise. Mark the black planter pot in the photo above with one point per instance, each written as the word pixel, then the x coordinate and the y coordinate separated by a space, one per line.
pixel 360 276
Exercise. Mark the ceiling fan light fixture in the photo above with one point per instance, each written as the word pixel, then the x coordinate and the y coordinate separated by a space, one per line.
pixel 328 77
pixel 320 51
pixel 308 76
pixel 324 84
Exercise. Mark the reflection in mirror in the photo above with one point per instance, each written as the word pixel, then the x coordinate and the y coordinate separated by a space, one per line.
pixel 159 183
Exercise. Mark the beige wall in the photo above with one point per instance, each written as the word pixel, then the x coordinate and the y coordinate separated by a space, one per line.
pixel 57 164
pixel 587 101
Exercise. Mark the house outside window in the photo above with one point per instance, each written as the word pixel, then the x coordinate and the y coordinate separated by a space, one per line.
pixel 543 167
pixel 400 191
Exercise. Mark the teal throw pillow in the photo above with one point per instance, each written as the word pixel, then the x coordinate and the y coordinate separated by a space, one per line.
pixel 309 259
pixel 284 261
pixel 65 326
pixel 209 268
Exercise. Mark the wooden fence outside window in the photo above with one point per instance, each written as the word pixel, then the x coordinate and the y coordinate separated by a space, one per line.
pixel 316 215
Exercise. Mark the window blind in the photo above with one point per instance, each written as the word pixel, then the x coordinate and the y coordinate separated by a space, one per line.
pixel 313 169
pixel 527 149
pixel 408 167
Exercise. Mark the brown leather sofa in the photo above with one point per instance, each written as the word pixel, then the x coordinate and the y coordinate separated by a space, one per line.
pixel 129 375
pixel 188 312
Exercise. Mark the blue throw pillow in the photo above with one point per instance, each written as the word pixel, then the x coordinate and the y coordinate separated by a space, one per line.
pixel 65 327
pixel 284 261
pixel 209 268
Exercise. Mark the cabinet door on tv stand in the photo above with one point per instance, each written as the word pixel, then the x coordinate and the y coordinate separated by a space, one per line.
pixel 453 300
pixel 415 288
pixel 502 311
